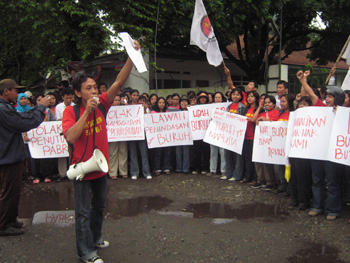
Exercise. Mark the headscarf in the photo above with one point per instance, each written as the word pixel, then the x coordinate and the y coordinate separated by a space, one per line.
pixel 19 107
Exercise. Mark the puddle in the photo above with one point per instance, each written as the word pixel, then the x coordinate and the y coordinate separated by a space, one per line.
pixel 118 208
pixel 63 200
pixel 243 213
pixel 316 253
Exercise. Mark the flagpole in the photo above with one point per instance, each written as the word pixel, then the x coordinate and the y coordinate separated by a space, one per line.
pixel 340 54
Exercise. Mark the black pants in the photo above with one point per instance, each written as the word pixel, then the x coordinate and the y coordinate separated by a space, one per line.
pixel 10 183
pixel 300 181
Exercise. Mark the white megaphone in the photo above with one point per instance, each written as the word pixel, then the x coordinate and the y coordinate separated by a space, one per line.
pixel 97 162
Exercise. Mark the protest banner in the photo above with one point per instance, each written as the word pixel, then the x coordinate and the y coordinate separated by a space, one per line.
pixel 339 143
pixel 226 130
pixel 46 141
pixel 312 128
pixel 269 142
pixel 125 123
pixel 200 116
pixel 168 129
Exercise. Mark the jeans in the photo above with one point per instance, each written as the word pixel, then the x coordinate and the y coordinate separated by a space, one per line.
pixel 134 166
pixel 214 154
pixel 334 172
pixel 183 158
pixel 90 202
pixel 158 153
pixel 318 185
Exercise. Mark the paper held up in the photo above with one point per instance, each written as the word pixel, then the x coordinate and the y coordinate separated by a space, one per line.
pixel 135 55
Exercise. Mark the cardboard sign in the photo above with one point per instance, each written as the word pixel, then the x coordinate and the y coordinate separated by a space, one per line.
pixel 227 130
pixel 125 123
pixel 168 129
pixel 46 141
pixel 200 116
pixel 312 128
pixel 269 142
pixel 339 143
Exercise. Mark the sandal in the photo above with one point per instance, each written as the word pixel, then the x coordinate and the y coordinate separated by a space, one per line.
pixel 36 181
pixel 244 181
pixel 47 180
pixel 125 176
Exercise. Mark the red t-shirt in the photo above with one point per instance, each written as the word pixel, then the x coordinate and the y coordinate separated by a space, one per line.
pixel 271 115
pixel 249 134
pixel 319 103
pixel 284 116
pixel 101 139
pixel 244 100
pixel 233 107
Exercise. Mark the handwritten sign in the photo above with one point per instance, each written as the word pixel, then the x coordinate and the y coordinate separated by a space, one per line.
pixel 339 143
pixel 58 218
pixel 46 141
pixel 312 128
pixel 168 129
pixel 125 123
pixel 269 142
pixel 200 116
pixel 227 130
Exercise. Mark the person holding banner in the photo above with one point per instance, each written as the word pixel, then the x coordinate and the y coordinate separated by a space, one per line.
pixel 266 171
pixel 234 161
pixel 215 150
pixel 247 151
pixel 183 152
pixel 82 131
pixel 118 154
pixel 160 106
pixel 13 152
pixel 201 150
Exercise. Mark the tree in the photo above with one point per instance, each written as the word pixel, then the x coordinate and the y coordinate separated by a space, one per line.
pixel 44 34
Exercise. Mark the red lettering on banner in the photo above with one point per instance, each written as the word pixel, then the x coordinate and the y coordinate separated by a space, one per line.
pixel 343 141
pixel 299 144
pixel 341 154
pixel 201 113
pixel 275 152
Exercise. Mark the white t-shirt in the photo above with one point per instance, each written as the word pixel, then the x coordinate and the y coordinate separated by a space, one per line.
pixel 60 109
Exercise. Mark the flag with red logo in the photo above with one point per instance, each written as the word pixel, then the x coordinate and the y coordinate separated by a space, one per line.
pixel 202 35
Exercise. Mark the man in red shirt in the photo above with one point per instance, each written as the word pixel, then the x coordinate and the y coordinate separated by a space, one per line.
pixel 85 133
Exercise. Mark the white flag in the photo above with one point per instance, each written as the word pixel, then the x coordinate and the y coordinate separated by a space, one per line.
pixel 202 35
pixel 346 56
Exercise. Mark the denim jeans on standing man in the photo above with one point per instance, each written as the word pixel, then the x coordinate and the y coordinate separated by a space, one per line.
pixel 90 202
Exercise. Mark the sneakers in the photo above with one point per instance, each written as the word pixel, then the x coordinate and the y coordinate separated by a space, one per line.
pixel 269 188
pixel 223 177
pixel 103 244
pixel 167 172
pixel 331 217
pixel 134 177
pixel 148 177
pixel 204 173
pixel 314 213
pixel 232 179
pixel 11 231
pixel 93 260
pixel 257 185
pixel 210 173
pixel 194 172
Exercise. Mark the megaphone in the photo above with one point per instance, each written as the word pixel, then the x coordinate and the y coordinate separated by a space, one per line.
pixel 97 162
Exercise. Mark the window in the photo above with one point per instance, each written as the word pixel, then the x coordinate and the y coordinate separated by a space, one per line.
pixel 202 83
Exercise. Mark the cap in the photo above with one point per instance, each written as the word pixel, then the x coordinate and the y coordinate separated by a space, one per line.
pixel 9 84
pixel 28 94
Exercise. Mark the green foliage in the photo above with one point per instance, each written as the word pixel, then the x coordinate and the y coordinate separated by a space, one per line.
pixel 44 34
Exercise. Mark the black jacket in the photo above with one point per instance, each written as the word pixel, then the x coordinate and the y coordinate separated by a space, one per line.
pixel 12 124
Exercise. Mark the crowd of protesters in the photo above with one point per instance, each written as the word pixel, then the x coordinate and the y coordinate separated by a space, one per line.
pixel 318 185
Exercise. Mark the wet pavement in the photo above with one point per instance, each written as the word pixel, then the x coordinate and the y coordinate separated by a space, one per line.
pixel 181 219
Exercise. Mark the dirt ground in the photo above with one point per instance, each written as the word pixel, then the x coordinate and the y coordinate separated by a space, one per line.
pixel 182 218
